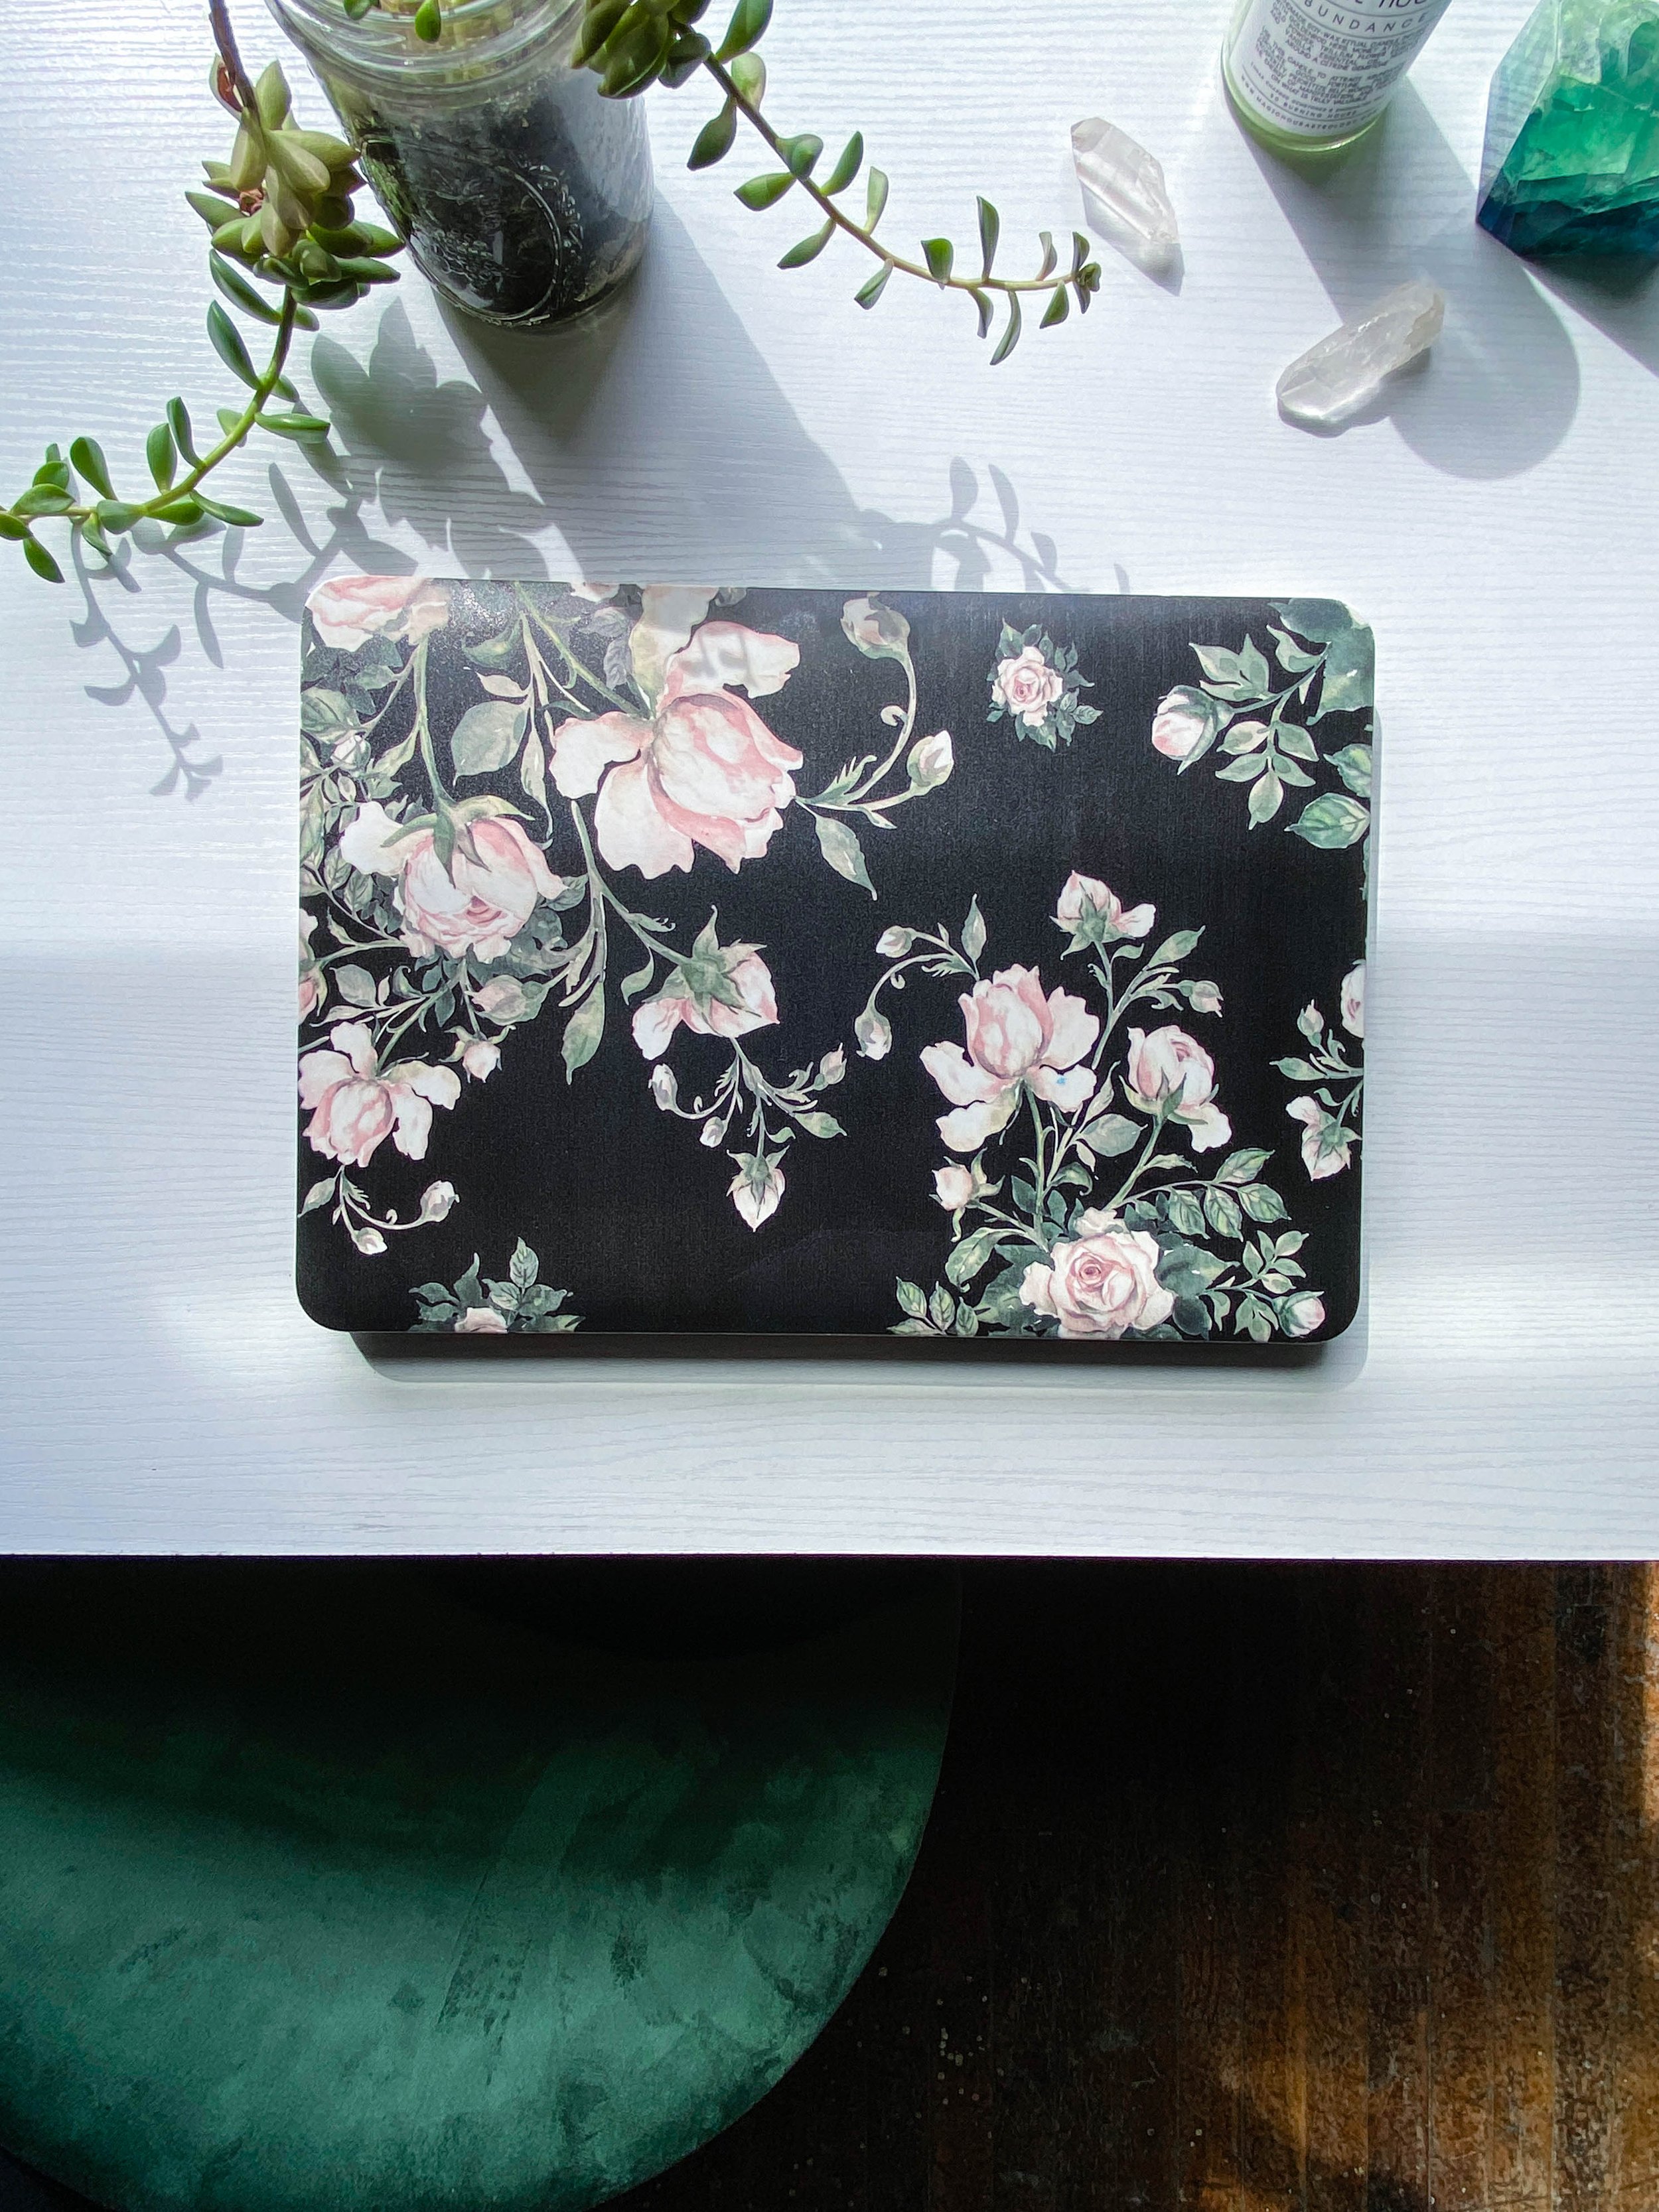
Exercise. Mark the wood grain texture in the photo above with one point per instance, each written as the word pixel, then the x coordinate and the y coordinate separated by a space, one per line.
pixel 728 419
pixel 1253 1889
pixel 1349 1877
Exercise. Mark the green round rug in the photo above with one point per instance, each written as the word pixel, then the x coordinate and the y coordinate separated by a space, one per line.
pixel 328 1888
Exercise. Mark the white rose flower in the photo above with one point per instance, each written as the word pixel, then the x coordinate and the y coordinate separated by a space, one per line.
pixel 1353 1000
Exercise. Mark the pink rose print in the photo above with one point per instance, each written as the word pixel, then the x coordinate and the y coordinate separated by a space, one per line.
pixel 1096 915
pixel 1101 1283
pixel 481 1320
pixel 355 1104
pixel 349 610
pixel 655 1022
pixel 1182 722
pixel 481 908
pixel 1169 1069
pixel 1026 685
pixel 480 1059
pixel 1015 1037
pixel 704 770
pixel 1353 1000
pixel 1327 1144
pixel 1303 1314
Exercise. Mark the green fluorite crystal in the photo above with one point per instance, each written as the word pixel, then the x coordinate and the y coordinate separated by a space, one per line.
pixel 1571 160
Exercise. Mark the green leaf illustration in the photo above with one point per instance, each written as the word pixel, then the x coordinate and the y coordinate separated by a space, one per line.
pixel 583 1031
pixel 487 737
pixel 1331 821
pixel 842 848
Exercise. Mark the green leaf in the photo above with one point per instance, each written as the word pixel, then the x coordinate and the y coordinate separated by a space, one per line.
pixel 1058 308
pixel 872 287
pixel 1295 742
pixel 428 22
pixel 601 21
pixel 1243 1166
pixel 320 1195
pixel 912 1298
pixel 1221 1209
pixel 1187 1269
pixel 159 452
pixel 87 456
pixel 1244 769
pixel 971 1255
pixel 1331 820
pixel 846 168
pixel 117 514
pixel 10 526
pixel 1111 1135
pixel 1010 337
pixel 1186 1213
pixel 241 294
pixel 41 561
pixel 842 848
pixel 307 429
pixel 639 981
pixel 1350 672
pixel 1244 737
pixel 524 1266
pixel 355 985
pixel 238 518
pixel 583 1031
pixel 487 737
pixel 990 229
pixel 941 1307
pixel 875 198
pixel 1176 947
pixel 987 310
pixel 1262 1202
pixel 1050 257
pixel 1317 620
pixel 1353 765
pixel 713 141
pixel 939 253
pixel 973 930
pixel 820 1125
pixel 765 192
pixel 748 74
pixel 808 249
pixel 227 342
pixel 800 153
pixel 178 422
pixel 747 27
pixel 180 510
pixel 43 498
pixel 1267 797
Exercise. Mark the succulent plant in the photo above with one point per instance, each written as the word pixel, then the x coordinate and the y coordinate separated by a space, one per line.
pixel 281 215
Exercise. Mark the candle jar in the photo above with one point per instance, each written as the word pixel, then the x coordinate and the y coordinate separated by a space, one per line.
pixel 523 194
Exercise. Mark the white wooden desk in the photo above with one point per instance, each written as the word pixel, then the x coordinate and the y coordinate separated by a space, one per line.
pixel 1496 522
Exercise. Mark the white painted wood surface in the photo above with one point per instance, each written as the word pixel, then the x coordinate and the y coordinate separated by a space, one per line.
pixel 162 1390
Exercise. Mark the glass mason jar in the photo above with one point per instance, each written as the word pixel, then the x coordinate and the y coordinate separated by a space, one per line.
pixel 524 196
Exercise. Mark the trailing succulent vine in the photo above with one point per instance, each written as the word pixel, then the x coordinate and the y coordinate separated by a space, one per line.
pixel 632 43
pixel 281 216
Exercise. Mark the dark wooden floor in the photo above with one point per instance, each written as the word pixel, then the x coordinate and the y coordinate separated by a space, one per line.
pixel 1255 1888
pixel 1248 1889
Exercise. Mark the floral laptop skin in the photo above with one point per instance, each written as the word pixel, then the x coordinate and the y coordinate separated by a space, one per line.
pixel 928 964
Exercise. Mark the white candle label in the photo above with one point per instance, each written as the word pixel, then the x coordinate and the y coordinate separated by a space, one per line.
pixel 1315 68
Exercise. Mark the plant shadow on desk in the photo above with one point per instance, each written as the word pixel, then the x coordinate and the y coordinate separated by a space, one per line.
pixel 1499 390
pixel 635 489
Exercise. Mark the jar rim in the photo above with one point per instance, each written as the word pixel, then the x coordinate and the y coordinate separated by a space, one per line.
pixel 380 43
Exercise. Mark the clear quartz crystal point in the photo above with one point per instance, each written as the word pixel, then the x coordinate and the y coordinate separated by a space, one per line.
pixel 1345 372
pixel 1124 196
